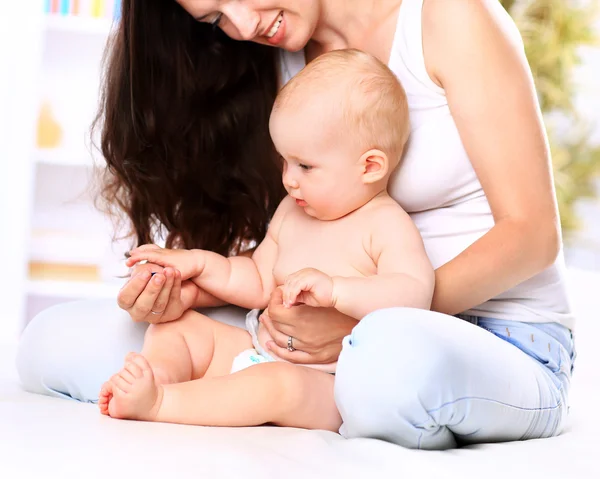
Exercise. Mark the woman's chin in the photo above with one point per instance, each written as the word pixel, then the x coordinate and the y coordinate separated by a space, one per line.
pixel 294 44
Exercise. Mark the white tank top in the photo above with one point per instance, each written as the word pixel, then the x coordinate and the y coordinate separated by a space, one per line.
pixel 437 185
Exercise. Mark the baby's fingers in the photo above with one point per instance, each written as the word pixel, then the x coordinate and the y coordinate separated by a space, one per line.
pixel 150 256
pixel 290 293
pixel 144 247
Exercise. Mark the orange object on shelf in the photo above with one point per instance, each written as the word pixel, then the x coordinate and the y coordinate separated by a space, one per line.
pixel 49 132
pixel 39 270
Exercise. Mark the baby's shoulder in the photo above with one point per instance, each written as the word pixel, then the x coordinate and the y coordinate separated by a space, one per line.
pixel 387 223
pixel 385 210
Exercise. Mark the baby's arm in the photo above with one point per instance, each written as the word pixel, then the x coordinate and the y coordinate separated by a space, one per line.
pixel 241 280
pixel 404 276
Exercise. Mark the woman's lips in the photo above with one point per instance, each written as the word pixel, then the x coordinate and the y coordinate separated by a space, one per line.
pixel 278 37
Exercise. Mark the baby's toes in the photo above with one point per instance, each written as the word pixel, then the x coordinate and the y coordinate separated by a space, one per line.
pixel 133 369
pixel 104 398
pixel 130 356
pixel 120 384
pixel 143 366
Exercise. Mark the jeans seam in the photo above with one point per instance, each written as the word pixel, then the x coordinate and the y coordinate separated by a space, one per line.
pixel 431 411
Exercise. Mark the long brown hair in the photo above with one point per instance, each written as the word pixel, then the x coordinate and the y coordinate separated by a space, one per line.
pixel 184 130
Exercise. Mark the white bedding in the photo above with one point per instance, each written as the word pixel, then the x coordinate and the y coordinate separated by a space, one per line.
pixel 52 438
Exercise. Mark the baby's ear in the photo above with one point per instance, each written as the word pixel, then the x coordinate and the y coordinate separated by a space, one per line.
pixel 375 166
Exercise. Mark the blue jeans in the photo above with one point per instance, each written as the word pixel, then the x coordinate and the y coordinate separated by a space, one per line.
pixel 415 378
pixel 426 380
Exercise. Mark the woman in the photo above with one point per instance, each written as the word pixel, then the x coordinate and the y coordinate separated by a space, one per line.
pixel 185 138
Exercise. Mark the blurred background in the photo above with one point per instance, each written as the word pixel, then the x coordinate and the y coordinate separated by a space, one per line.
pixel 57 247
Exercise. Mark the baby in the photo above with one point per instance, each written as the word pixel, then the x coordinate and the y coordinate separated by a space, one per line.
pixel 336 241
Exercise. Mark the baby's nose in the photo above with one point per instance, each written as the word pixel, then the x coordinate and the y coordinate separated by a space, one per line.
pixel 288 181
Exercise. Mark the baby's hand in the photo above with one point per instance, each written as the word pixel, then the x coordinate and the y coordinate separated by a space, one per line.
pixel 187 262
pixel 308 286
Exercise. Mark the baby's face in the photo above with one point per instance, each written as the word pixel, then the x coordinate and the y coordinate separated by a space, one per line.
pixel 321 168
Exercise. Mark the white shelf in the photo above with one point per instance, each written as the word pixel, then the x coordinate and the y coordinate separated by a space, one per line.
pixel 58 156
pixel 75 24
pixel 67 247
pixel 73 289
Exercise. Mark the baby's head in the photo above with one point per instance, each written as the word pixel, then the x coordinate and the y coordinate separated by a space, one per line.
pixel 340 125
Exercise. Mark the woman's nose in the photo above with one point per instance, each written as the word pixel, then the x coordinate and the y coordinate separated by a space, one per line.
pixel 245 19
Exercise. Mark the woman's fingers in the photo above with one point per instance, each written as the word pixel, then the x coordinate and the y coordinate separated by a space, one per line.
pixel 144 304
pixel 276 307
pixel 279 333
pixel 175 295
pixel 132 290
pixel 279 337
pixel 162 300
pixel 297 357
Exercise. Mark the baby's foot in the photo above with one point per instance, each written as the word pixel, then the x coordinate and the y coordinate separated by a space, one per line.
pixel 132 393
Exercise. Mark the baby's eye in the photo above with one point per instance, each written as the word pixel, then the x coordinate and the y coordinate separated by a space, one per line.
pixel 305 167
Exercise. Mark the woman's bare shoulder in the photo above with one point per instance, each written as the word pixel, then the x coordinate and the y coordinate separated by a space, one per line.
pixel 479 26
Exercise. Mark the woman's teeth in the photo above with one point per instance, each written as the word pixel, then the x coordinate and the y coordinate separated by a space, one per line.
pixel 276 26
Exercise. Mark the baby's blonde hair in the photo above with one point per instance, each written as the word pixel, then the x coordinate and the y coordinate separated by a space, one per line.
pixel 371 99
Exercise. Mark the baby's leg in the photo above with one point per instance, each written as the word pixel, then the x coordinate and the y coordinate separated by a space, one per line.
pixel 279 393
pixel 192 347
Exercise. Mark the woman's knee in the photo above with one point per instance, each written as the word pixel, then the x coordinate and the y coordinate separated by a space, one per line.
pixel 390 337
pixel 69 349
pixel 392 359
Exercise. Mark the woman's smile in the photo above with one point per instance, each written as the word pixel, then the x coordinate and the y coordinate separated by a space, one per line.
pixel 277 31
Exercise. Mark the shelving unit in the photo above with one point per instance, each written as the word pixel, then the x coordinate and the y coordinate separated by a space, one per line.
pixel 60 245
pixel 57 156
pixel 78 25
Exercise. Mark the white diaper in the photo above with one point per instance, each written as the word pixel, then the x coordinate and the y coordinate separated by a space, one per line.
pixel 257 355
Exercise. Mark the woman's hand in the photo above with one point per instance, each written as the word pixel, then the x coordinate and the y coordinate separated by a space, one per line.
pixel 155 294
pixel 317 332
pixel 188 262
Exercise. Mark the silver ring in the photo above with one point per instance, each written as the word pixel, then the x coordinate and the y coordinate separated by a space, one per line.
pixel 156 312
pixel 291 347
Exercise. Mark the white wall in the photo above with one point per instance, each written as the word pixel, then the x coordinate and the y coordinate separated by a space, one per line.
pixel 20 51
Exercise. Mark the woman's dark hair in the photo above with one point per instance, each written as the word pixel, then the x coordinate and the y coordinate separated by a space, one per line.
pixel 184 130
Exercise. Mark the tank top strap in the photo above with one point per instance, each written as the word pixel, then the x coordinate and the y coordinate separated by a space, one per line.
pixel 290 64
pixel 407 49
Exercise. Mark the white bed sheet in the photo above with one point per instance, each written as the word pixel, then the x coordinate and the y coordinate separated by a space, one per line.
pixel 51 438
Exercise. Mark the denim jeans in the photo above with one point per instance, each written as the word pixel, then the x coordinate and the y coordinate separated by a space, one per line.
pixel 412 377
pixel 427 380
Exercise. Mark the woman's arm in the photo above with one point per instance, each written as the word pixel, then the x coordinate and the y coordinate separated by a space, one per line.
pixel 472 51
